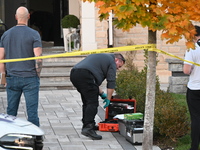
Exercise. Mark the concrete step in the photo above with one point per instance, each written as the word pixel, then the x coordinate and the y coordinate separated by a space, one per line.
pixel 69 60
pixel 58 64
pixel 50 48
pixel 54 77
pixel 56 69
pixel 56 86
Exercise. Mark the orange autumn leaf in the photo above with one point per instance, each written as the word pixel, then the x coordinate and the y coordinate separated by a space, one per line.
pixel 172 31
pixel 190 45
pixel 99 3
pixel 184 23
pixel 104 11
pixel 164 36
pixel 187 35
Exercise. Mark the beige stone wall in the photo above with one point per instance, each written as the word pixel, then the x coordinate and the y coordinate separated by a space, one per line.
pixel 101 32
pixel 177 49
pixel 74 7
pixel 139 36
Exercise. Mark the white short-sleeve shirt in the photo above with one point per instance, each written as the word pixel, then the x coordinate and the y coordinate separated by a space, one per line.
pixel 194 78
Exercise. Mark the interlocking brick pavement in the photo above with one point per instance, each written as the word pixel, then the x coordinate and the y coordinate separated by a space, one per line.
pixel 60 117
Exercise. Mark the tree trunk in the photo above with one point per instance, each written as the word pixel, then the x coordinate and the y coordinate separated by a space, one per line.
pixel 150 96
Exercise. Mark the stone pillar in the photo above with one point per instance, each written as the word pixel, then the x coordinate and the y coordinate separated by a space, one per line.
pixel 88 39
pixel 74 8
pixel 178 81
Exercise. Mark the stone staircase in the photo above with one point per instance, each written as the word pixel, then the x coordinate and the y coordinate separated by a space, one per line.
pixel 55 72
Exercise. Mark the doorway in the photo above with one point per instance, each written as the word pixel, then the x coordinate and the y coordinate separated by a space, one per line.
pixel 41 18
pixel 52 12
pixel 49 13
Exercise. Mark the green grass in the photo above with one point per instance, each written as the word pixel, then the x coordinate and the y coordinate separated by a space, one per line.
pixel 183 147
pixel 180 98
pixel 184 142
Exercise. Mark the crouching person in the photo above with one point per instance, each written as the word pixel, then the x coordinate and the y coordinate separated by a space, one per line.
pixel 87 76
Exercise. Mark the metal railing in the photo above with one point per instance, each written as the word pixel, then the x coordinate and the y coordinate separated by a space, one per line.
pixel 73 40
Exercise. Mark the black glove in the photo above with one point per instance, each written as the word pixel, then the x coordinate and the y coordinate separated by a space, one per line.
pixel 103 95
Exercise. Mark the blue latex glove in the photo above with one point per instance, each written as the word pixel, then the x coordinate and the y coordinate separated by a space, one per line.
pixel 107 101
pixel 103 95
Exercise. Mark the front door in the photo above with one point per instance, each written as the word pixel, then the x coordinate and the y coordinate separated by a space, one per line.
pixel 58 8
pixel 50 29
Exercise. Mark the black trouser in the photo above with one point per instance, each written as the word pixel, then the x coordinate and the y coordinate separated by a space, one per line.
pixel 84 81
pixel 193 100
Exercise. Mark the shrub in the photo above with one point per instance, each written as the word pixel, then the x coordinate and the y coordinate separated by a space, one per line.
pixel 170 118
pixel 132 83
pixel 70 21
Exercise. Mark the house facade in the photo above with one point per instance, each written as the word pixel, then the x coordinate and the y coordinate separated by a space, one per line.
pixel 136 36
pixel 95 34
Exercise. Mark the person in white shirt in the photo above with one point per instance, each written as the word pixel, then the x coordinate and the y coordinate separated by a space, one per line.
pixel 193 89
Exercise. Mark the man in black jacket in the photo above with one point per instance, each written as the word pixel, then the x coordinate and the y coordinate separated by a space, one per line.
pixel 87 76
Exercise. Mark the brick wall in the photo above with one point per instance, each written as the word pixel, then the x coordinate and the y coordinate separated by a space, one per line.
pixel 101 32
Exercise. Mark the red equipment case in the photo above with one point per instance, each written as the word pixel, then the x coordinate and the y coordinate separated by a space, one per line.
pixel 117 106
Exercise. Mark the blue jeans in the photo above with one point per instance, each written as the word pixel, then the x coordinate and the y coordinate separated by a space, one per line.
pixel 29 86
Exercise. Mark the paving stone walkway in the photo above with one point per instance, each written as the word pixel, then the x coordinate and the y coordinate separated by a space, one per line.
pixel 60 117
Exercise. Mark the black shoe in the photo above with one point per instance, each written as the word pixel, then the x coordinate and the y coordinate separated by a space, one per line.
pixel 88 130
pixel 96 127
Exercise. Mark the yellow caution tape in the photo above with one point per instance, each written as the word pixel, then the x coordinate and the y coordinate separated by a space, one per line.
pixel 106 50
pixel 149 47
pixel 163 52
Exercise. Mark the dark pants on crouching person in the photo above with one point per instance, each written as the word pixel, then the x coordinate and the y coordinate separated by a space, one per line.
pixel 85 83
pixel 193 101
